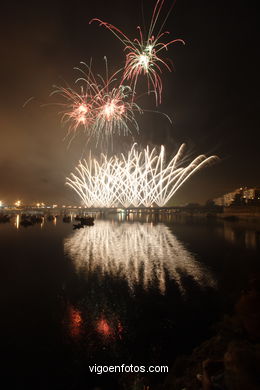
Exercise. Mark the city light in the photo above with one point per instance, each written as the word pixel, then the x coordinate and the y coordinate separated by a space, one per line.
pixel 18 203
pixel 137 178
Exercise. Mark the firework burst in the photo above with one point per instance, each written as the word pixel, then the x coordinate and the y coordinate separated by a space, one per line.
pixel 103 107
pixel 77 109
pixel 138 178
pixel 143 54
pixel 115 111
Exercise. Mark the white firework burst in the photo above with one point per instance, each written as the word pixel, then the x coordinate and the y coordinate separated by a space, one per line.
pixel 139 178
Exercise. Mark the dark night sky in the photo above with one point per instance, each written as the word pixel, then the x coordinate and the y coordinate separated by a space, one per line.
pixel 212 95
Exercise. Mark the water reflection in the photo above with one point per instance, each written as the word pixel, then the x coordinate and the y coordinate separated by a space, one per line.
pixel 239 234
pixel 42 222
pixel 17 221
pixel 144 255
pixel 75 322
pixel 251 239
pixel 107 329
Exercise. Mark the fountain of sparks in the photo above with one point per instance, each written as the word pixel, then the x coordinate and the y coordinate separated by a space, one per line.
pixel 139 178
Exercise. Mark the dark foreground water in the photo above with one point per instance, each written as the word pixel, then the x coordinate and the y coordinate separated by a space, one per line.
pixel 136 291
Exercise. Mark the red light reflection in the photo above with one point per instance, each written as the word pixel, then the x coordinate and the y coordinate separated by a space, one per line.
pixel 103 328
pixel 75 322
pixel 107 329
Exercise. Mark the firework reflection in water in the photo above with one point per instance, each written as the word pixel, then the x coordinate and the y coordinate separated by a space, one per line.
pixel 142 254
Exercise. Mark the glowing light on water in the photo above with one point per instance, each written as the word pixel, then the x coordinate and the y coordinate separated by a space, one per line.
pixel 103 327
pixel 109 327
pixel 143 54
pixel 17 221
pixel 142 254
pixel 42 221
pixel 138 178
pixel 75 322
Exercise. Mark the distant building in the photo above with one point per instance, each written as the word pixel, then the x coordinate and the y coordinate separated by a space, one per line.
pixel 251 195
pixel 243 195
pixel 219 201
pixel 227 199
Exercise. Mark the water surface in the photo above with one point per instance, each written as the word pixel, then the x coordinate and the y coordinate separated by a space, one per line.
pixel 137 289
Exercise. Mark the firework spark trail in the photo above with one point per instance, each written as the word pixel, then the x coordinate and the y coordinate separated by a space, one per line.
pixel 115 112
pixel 78 109
pixel 142 254
pixel 143 53
pixel 139 178
pixel 103 107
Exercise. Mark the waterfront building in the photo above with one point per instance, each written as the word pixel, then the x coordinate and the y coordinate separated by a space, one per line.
pixel 242 195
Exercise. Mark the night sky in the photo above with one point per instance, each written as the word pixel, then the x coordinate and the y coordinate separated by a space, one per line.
pixel 212 94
